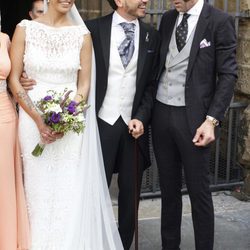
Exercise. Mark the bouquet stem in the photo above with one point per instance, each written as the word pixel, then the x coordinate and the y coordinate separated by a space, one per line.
pixel 38 149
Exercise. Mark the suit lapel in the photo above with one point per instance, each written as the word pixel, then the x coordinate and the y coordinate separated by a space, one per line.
pixel 144 40
pixel 177 56
pixel 198 36
pixel 105 35
pixel 166 38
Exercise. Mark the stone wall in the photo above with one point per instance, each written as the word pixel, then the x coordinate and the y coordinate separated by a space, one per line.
pixel 242 89
pixel 90 9
pixel 242 93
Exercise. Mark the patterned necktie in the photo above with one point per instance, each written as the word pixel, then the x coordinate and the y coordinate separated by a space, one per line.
pixel 127 47
pixel 181 32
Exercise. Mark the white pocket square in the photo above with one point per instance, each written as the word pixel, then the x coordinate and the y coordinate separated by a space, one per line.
pixel 204 43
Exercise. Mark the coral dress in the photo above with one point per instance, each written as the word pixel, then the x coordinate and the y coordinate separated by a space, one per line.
pixel 13 215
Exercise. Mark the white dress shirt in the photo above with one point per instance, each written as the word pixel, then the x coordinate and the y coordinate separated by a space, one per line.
pixel 118 33
pixel 194 13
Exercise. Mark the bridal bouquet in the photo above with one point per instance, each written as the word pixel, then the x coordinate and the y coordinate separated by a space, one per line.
pixel 61 114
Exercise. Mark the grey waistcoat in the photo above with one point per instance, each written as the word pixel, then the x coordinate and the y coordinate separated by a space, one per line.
pixel 171 90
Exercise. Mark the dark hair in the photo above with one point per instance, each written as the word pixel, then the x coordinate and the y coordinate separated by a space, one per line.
pixel 32 3
pixel 112 4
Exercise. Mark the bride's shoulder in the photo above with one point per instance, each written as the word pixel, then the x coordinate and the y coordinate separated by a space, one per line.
pixel 24 23
pixel 30 24
pixel 83 28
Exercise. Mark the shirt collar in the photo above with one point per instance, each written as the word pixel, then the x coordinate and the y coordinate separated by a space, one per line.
pixel 117 19
pixel 196 9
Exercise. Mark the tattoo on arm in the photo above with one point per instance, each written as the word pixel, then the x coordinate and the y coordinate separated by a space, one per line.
pixel 22 95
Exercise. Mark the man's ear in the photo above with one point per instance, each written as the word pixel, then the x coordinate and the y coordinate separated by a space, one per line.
pixel 31 14
pixel 119 3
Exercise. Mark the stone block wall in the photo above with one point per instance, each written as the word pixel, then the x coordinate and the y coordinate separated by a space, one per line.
pixel 242 93
pixel 90 9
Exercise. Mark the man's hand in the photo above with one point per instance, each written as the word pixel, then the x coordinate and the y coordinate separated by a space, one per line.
pixel 204 134
pixel 136 128
pixel 26 82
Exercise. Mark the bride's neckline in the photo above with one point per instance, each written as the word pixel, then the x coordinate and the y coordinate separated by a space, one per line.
pixel 54 27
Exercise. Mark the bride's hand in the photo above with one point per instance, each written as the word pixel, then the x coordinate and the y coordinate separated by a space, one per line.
pixel 58 135
pixel 46 133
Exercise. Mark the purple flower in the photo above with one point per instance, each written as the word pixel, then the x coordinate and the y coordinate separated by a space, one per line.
pixel 72 103
pixel 47 98
pixel 55 118
pixel 72 107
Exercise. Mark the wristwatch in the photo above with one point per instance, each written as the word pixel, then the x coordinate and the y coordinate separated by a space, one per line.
pixel 212 120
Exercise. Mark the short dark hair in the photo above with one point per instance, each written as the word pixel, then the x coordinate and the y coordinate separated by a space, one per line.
pixel 32 3
pixel 112 4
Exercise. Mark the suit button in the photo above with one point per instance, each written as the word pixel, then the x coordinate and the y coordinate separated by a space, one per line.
pixel 169 70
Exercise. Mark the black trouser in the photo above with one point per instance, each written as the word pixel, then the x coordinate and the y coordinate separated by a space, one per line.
pixel 118 148
pixel 174 149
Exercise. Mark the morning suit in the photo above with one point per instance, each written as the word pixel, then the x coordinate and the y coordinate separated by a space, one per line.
pixel 133 90
pixel 205 75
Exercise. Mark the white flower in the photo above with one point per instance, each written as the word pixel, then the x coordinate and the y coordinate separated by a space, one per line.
pixel 54 108
pixel 66 117
pixel 81 117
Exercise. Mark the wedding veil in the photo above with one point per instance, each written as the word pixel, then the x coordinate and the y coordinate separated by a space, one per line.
pixel 95 223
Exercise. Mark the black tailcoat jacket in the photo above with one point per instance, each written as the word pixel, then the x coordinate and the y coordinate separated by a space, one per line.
pixel 146 71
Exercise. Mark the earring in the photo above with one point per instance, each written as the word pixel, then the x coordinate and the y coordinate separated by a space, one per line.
pixel 47 1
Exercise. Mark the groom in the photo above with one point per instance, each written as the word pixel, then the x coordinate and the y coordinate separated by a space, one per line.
pixel 196 82
pixel 126 53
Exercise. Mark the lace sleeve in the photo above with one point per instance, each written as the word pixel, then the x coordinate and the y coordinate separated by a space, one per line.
pixel 23 23
pixel 84 29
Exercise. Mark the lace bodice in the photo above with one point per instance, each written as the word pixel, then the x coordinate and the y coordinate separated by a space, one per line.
pixel 52 54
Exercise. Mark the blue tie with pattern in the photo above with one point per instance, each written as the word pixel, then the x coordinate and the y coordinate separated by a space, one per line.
pixel 127 47
pixel 181 32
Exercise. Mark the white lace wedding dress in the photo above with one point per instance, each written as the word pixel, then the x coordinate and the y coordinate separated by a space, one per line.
pixel 67 196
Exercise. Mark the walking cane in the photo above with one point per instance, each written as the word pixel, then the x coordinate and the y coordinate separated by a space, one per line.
pixel 136 193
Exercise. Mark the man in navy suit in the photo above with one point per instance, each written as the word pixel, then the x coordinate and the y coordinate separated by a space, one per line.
pixel 126 55
pixel 196 81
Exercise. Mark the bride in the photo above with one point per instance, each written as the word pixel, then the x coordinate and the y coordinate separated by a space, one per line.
pixel 67 196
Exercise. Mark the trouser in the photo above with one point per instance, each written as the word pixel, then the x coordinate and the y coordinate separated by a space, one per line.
pixel 118 148
pixel 174 149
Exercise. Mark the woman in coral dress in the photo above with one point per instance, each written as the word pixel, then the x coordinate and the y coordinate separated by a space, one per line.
pixel 13 215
